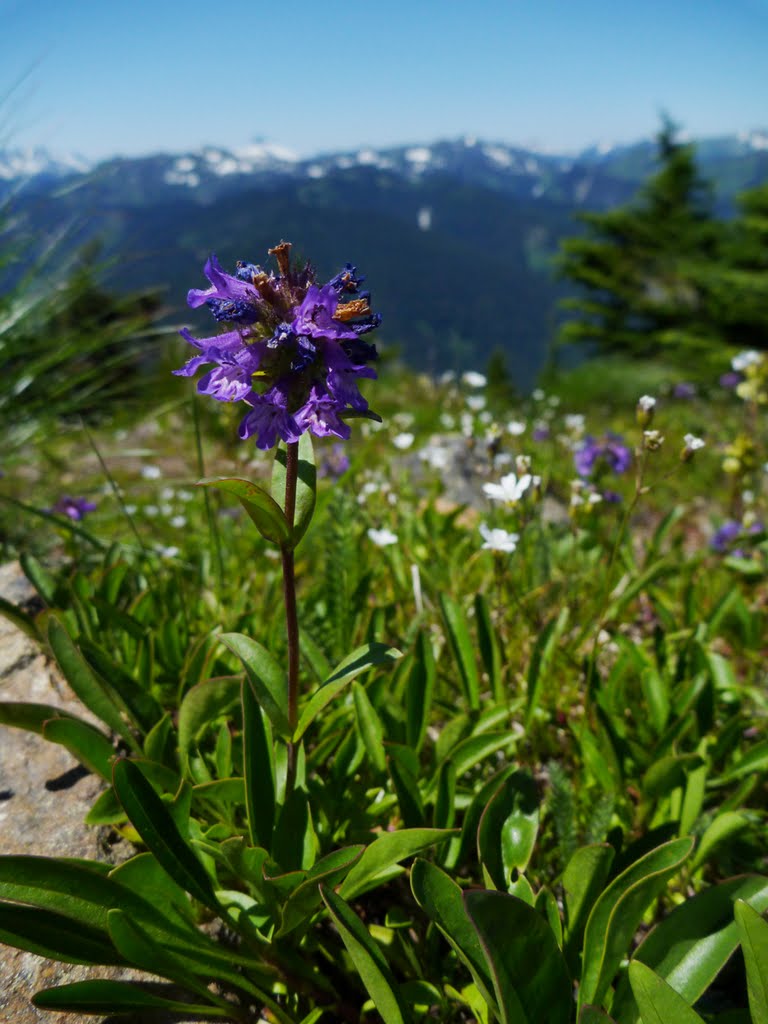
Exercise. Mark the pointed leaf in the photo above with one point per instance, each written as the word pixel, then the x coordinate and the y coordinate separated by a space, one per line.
pixel 659 1004
pixel 267 679
pixel 152 820
pixel 258 771
pixel 530 978
pixel 360 660
pixel 47 933
pixel 88 744
pixel 389 849
pixel 618 912
pixel 753 932
pixel 93 692
pixel 368 960
pixel 32 717
pixel 370 728
pixel 202 704
pixel 108 997
pixel 419 688
pixel 463 649
pixel 442 900
pixel 266 515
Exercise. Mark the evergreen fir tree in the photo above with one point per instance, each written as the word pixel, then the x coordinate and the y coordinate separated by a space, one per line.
pixel 644 266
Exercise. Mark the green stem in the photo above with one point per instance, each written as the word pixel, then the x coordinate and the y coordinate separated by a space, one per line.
pixel 291 615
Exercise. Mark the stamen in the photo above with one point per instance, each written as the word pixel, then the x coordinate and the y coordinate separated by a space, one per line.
pixel 350 310
pixel 282 254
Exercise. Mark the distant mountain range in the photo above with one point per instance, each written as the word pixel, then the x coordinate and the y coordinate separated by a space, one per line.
pixel 457 237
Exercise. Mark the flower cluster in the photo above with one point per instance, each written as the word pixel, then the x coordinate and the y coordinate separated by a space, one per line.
pixel 73 508
pixel 594 457
pixel 291 350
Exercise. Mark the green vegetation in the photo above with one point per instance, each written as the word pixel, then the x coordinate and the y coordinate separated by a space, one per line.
pixel 663 277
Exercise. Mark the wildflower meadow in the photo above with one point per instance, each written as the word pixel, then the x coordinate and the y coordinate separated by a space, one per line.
pixel 452 711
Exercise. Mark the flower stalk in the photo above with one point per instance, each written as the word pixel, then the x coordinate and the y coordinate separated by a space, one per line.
pixel 289 600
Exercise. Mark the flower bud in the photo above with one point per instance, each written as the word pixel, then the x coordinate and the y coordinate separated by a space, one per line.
pixel 644 411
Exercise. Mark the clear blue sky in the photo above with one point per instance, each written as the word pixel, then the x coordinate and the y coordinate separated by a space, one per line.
pixel 136 76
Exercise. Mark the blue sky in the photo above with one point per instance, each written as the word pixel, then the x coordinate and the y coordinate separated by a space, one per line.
pixel 132 76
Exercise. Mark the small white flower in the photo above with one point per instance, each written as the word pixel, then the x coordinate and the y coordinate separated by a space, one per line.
pixel 509 489
pixel 516 427
pixel 151 510
pixel 436 456
pixel 473 379
pixel 184 495
pixel 476 402
pixel 498 540
pixel 447 421
pixel 646 403
pixel 130 510
pixel 653 440
pixel 447 378
pixel 693 443
pixel 522 464
pixel 151 472
pixel 486 417
pixel 167 493
pixel 403 420
pixel 746 359
pixel 382 538
pixel 467 424
pixel 178 522
pixel 538 395
pixel 167 552
pixel 574 422
pixel 403 441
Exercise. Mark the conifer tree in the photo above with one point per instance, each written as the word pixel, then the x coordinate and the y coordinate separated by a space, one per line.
pixel 642 268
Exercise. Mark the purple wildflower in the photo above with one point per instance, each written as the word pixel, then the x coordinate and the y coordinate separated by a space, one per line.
pixel 335 463
pixel 291 349
pixel 730 380
pixel 725 537
pixel 73 508
pixel 594 457
pixel 683 389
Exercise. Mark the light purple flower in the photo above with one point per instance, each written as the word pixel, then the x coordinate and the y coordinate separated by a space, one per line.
pixel 74 508
pixel 596 456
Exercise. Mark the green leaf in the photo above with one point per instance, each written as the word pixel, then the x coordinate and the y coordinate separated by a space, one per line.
pixel 488 642
pixel 258 771
pixel 405 781
pixel 668 773
pixel 203 704
pixel 755 760
pixel 39 577
pixel 656 693
pixel 594 1015
pixel 108 997
pixel 508 828
pixel 295 843
pixel 48 933
pixel 152 820
pixel 618 912
pixel 583 879
pixel 305 899
pixel 306 485
pixel 32 717
pixel 692 945
pixel 722 829
pixel 753 932
pixel 462 647
pixel 418 692
pixel 360 660
pixel 368 960
pixel 92 691
pixel 442 900
pixel 88 744
pixel 389 849
pixel 370 728
pixel 267 679
pixel 530 978
pixel 20 620
pixel 541 661
pixel 264 512
pixel 659 1004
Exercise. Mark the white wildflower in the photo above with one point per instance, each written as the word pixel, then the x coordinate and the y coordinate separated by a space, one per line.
pixel 744 360
pixel 510 489
pixel 516 427
pixel 476 402
pixel 403 441
pixel 151 472
pixel 382 538
pixel 473 379
pixel 646 403
pixel 498 540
